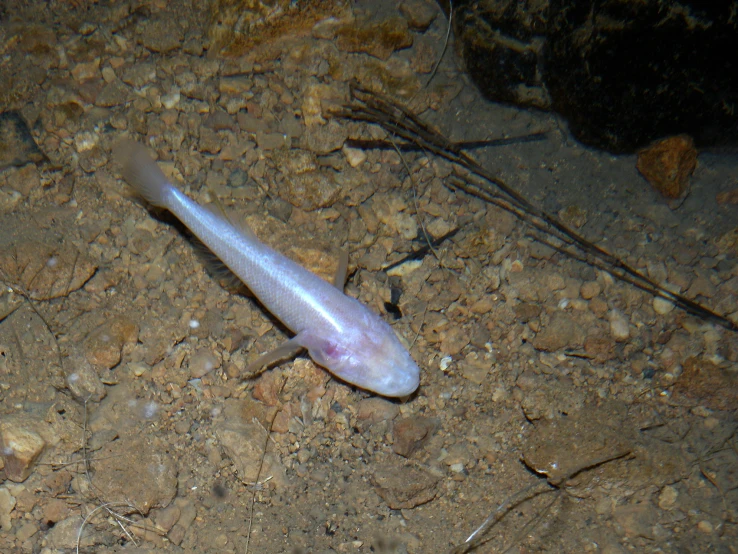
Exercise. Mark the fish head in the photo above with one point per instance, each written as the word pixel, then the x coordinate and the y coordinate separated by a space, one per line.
pixel 374 360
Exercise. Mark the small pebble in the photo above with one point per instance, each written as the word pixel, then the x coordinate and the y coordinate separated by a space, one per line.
pixel 202 362
pixel 662 306
pixel 590 289
pixel 668 497
pixel 26 531
pixel 619 326
pixel 181 427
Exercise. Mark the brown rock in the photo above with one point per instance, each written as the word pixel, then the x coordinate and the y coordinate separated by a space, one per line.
pixel 475 368
pixel 373 410
pixel 209 141
pixel 377 39
pixel 256 28
pixel 668 163
pixel 267 388
pixel 454 340
pixel 202 362
pixel 26 501
pixel 324 139
pixel 114 93
pixel 25 180
pixel 525 311
pixel 161 33
pixel 168 517
pixel 561 447
pixel 419 14
pixel 83 382
pixel 187 514
pixel 9 302
pixel 86 70
pixel 139 74
pixel 701 286
pixel 708 384
pixel 590 289
pixel 7 505
pixel 729 197
pixel 44 271
pixel 598 306
pixel 244 444
pixel 412 433
pixel 104 345
pixel 64 535
pixel 21 446
pixel 25 531
pixel 56 510
pixel 138 471
pixel 58 482
pixel 403 487
pixel 599 346
pixel 310 191
pixel 574 216
pixel 562 331
pixel 271 141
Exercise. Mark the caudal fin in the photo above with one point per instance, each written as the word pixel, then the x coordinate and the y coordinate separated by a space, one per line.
pixel 142 173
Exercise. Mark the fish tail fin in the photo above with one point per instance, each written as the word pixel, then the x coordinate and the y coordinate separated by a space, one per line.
pixel 142 173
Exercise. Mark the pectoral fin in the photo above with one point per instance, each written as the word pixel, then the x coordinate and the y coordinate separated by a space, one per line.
pixel 285 350
pixel 324 352
pixel 339 280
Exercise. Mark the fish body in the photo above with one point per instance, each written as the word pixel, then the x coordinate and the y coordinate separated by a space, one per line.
pixel 339 332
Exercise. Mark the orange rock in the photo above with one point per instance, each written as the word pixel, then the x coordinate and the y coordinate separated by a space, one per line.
pixel 730 197
pixel 668 163
pixel 376 39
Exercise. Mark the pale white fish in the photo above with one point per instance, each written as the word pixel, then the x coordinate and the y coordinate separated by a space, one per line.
pixel 339 332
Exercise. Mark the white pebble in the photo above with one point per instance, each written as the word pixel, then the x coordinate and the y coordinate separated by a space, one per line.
pixel 619 326
pixel 170 99
pixel 445 362
pixel 405 269
pixel 662 306
pixel 194 324
pixel 85 140
pixel 354 156
pixel 149 410
pixel 138 368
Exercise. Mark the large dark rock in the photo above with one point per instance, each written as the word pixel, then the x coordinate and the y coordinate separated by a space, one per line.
pixel 622 72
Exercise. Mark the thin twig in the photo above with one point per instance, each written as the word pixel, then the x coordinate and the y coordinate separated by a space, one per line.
pixel 397 120
pixel 477 537
pixel 255 488
pixel 445 44
pixel 415 202
pixel 531 491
